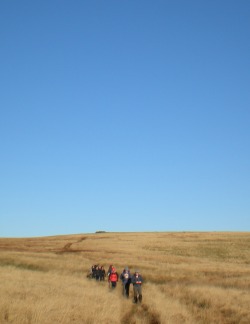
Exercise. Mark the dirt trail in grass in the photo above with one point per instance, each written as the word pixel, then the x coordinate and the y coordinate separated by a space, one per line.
pixel 141 313
pixel 188 277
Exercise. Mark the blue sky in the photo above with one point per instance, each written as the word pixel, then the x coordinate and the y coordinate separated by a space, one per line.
pixel 124 116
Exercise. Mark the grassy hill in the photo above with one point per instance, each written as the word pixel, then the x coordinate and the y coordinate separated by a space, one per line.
pixel 188 278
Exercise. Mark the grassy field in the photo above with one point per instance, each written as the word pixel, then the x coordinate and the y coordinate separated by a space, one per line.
pixel 188 278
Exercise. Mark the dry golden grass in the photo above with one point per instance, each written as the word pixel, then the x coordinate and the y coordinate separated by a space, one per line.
pixel 189 278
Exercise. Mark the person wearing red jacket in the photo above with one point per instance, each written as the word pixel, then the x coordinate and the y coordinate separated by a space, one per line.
pixel 113 278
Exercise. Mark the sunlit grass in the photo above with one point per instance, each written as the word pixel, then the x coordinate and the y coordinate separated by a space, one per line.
pixel 189 278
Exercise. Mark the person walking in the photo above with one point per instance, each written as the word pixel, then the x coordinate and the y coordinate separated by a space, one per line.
pixel 102 273
pixel 126 281
pixel 109 269
pixel 94 270
pixel 137 282
pixel 98 273
pixel 113 278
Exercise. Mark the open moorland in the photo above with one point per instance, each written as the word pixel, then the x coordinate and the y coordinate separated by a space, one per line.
pixel 188 278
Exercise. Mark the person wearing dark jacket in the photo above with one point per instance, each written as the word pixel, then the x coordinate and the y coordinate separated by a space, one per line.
pixel 94 270
pixel 137 282
pixel 98 273
pixel 126 281
pixel 102 273
pixel 109 270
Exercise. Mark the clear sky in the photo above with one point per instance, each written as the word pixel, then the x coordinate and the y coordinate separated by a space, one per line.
pixel 126 115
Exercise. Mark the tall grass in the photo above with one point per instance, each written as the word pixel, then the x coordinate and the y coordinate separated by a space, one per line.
pixel 188 278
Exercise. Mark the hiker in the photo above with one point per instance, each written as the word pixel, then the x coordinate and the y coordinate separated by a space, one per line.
pixel 94 270
pixel 126 280
pixel 137 282
pixel 110 269
pixel 98 273
pixel 113 278
pixel 102 273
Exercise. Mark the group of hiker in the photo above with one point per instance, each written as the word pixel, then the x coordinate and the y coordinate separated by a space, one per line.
pixel 99 273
